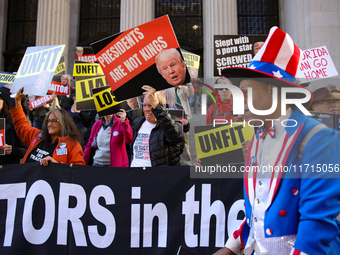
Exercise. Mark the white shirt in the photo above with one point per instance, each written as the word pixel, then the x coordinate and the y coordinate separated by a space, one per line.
pixel 102 154
pixel 269 149
pixel 141 152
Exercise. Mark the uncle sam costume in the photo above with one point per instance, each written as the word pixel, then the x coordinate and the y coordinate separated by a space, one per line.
pixel 286 215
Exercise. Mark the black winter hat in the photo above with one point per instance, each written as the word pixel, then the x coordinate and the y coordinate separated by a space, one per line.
pixel 5 94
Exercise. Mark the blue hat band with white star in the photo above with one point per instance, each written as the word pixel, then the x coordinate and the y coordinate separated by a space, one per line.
pixel 271 69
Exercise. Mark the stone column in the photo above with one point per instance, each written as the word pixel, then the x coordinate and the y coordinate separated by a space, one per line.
pixel 53 24
pixel 3 22
pixel 292 20
pixel 73 33
pixel 311 24
pixel 134 13
pixel 219 18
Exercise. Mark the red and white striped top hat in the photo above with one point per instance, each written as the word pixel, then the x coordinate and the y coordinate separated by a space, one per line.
pixel 278 58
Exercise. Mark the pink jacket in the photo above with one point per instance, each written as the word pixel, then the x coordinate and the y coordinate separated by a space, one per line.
pixel 119 157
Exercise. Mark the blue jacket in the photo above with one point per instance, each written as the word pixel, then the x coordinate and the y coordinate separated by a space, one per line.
pixel 307 203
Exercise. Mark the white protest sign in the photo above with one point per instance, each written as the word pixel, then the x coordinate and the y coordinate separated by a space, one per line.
pixel 37 69
pixel 316 64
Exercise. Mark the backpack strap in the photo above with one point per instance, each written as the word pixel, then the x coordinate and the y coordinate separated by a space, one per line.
pixel 312 132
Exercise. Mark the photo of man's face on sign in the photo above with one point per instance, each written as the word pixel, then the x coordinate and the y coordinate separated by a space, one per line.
pixel 133 103
pixel 79 51
pixel 41 83
pixel 65 79
pixel 171 66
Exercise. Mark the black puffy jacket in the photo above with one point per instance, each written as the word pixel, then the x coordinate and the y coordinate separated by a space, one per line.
pixel 18 147
pixel 166 140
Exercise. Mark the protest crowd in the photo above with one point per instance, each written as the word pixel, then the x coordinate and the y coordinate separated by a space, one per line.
pixel 280 213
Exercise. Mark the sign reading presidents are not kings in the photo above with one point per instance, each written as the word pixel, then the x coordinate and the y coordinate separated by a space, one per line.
pixel 128 58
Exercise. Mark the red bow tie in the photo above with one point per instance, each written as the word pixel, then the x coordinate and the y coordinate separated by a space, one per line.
pixel 262 131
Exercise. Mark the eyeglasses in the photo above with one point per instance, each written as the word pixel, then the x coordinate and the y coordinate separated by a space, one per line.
pixel 52 121
pixel 220 89
pixel 328 102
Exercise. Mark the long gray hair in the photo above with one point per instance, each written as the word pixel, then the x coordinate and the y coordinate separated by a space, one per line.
pixel 68 127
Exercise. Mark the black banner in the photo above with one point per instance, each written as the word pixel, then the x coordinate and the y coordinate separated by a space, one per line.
pixel 63 209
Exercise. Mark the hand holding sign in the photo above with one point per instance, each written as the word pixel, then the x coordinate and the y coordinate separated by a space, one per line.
pixel 54 96
pixel 8 149
pixel 46 160
pixel 74 108
pixel 185 122
pixel 122 115
pixel 150 94
pixel 18 97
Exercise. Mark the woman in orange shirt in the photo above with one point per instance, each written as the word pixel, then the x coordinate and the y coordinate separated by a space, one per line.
pixel 57 142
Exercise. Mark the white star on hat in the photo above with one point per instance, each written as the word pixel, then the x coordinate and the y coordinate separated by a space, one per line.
pixel 252 67
pixel 277 74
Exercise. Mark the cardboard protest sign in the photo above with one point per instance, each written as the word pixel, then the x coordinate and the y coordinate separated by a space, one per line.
pixel 86 69
pixel 133 103
pixel 60 85
pixel 191 59
pixel 84 86
pixel 327 118
pixel 106 102
pixel 6 78
pixel 337 122
pixel 179 113
pixel 222 143
pixel 2 136
pixel 61 66
pixel 128 58
pixel 234 50
pixel 316 64
pixel 37 69
pixel 40 101
pixel 85 54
